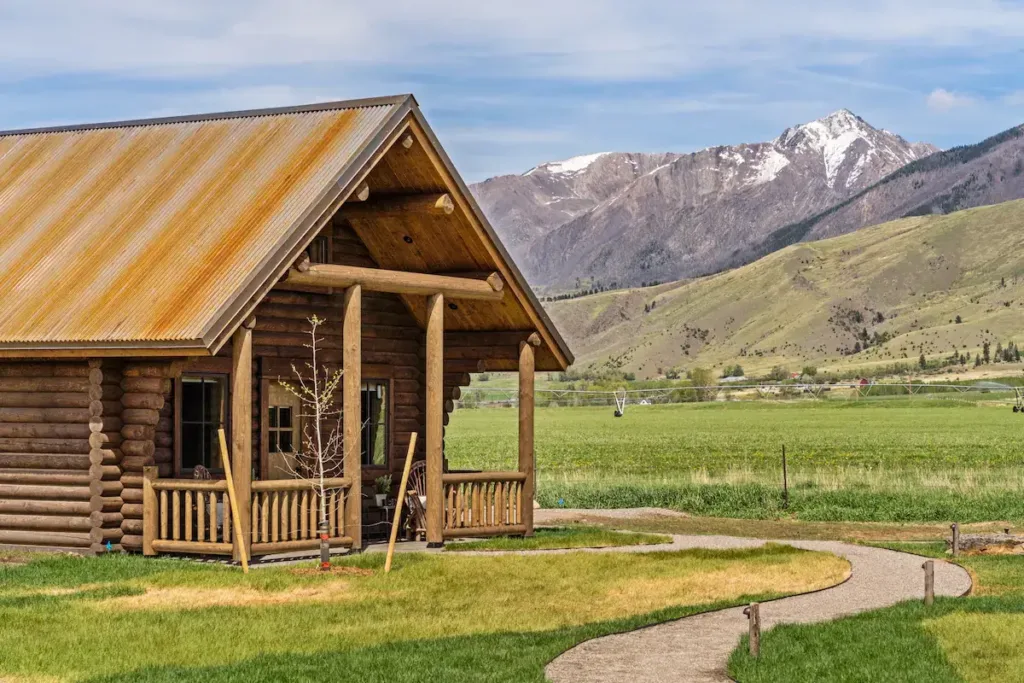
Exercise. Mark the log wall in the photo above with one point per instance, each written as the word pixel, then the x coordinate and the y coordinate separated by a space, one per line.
pixel 146 432
pixel 52 480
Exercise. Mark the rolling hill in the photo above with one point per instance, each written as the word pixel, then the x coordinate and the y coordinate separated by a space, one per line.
pixel 901 285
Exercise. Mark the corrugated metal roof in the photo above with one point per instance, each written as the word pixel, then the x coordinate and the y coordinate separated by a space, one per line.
pixel 146 231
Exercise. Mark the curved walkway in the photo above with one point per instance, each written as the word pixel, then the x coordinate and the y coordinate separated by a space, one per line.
pixel 697 648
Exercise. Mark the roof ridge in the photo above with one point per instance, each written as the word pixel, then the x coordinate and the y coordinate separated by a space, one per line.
pixel 218 116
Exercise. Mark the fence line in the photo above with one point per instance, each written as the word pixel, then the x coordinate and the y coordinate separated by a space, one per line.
pixel 483 397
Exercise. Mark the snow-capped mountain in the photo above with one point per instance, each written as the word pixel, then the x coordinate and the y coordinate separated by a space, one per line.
pixel 632 218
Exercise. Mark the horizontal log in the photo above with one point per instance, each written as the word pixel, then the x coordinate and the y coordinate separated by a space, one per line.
pixel 44 461
pixel 105 440
pixel 138 448
pixel 99 518
pixel 43 430
pixel 510 338
pixel 44 370
pixel 397 282
pixel 69 446
pixel 45 538
pixel 139 432
pixel 45 507
pixel 135 463
pixel 300 484
pixel 163 455
pixel 104 456
pixel 476 531
pixel 140 400
pixel 45 478
pixel 132 542
pixel 151 370
pixel 132 525
pixel 105 504
pixel 469 477
pixel 11 491
pixel 292 546
pixel 132 480
pixel 110 472
pixel 98 408
pixel 191 485
pixel 131 511
pixel 109 488
pixel 103 535
pixel 163 440
pixel 35 399
pixel 148 385
pixel 105 423
pixel 192 547
pixel 140 416
pixel 402 205
pixel 48 384
pixel 45 522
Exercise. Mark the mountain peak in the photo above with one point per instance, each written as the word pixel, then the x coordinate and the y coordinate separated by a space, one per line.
pixel 570 166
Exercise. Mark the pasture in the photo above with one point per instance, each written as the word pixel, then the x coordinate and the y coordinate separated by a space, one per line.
pixel 886 459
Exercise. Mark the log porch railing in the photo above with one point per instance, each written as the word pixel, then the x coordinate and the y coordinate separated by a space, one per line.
pixel 285 514
pixel 190 516
pixel 484 504
pixel 185 516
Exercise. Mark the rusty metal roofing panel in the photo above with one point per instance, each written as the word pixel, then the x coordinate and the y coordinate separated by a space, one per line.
pixel 144 231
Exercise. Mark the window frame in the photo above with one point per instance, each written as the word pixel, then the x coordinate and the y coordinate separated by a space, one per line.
pixel 389 411
pixel 179 381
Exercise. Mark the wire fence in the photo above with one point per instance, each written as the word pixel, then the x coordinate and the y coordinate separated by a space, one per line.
pixel 492 397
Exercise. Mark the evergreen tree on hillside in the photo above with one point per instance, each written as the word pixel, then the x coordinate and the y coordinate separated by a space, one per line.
pixel 986 351
pixel 922 362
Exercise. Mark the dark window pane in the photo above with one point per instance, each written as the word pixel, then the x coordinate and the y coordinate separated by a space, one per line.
pixel 213 400
pixel 191 400
pixel 191 445
pixel 272 442
pixel 286 417
pixel 273 417
pixel 286 441
pixel 212 446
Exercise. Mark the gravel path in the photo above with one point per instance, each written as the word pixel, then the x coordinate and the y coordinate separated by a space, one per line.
pixel 697 648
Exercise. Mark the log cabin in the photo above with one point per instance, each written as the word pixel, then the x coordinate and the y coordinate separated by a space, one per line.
pixel 156 281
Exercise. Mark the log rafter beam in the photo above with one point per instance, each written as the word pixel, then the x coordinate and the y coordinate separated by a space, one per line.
pixel 489 288
pixel 400 205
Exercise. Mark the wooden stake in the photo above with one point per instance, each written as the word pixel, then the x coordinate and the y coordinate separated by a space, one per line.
pixel 929 582
pixel 785 481
pixel 753 614
pixel 398 503
pixel 236 522
pixel 956 539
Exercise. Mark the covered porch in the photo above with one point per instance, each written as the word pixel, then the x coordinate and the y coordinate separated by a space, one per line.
pixel 281 515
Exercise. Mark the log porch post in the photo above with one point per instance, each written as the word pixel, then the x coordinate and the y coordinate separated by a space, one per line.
pixel 241 432
pixel 352 382
pixel 526 408
pixel 435 418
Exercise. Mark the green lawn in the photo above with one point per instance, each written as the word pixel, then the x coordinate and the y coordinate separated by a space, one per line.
pixel 435 617
pixel 891 459
pixel 975 639
pixel 563 537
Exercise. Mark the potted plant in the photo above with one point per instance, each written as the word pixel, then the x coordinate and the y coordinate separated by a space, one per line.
pixel 382 486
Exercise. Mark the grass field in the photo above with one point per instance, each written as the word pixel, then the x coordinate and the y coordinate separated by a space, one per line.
pixel 975 639
pixel 890 459
pixel 434 618
pixel 582 536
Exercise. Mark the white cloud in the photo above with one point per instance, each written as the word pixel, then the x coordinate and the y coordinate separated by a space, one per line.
pixel 941 99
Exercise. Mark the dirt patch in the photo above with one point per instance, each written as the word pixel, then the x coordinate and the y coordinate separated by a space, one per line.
pixel 184 598
pixel 333 571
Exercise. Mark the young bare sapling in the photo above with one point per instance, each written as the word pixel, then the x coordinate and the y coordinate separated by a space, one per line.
pixel 320 455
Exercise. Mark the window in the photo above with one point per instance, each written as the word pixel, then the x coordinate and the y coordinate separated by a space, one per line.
pixel 320 249
pixel 284 432
pixel 203 411
pixel 375 414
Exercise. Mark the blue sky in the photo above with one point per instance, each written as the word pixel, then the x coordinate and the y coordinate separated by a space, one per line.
pixel 509 84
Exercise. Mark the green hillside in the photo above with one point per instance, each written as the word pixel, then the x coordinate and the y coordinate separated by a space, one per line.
pixel 812 303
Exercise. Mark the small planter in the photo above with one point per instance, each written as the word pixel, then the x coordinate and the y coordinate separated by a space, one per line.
pixel 381 498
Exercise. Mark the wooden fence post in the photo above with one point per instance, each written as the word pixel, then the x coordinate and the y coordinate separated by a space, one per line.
pixel 929 582
pixel 956 539
pixel 149 509
pixel 753 614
